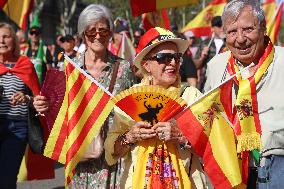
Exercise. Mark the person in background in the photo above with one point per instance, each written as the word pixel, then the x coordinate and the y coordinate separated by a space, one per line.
pixel 159 55
pixel 18 83
pixel 80 47
pixel 32 51
pixel 115 44
pixel 209 48
pixel 95 26
pixel 22 40
pixel 68 44
pixel 187 70
pixel 257 92
pixel 192 43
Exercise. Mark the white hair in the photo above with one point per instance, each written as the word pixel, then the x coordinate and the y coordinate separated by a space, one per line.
pixel 234 8
pixel 94 13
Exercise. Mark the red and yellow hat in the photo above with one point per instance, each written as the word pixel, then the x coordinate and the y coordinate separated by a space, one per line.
pixel 153 38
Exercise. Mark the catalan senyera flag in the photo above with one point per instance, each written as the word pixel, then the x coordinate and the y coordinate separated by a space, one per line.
pixel 200 25
pixel 269 7
pixel 138 6
pixel 85 107
pixel 157 18
pixel 18 11
pixel 273 26
pixel 205 124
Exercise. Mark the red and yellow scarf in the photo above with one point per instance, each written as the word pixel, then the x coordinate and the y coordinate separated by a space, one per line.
pixel 246 118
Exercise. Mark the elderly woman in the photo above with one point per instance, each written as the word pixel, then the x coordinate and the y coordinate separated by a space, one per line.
pixel 159 57
pixel 95 26
pixel 18 81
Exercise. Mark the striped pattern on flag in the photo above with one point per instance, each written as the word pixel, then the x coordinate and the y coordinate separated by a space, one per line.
pixel 273 26
pixel 85 107
pixel 205 124
pixel 200 25
pixel 18 11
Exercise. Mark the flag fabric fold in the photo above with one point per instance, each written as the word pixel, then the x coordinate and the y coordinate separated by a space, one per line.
pixel 206 126
pixel 139 7
pixel 273 25
pixel 200 25
pixel 269 7
pixel 18 11
pixel 157 18
pixel 85 107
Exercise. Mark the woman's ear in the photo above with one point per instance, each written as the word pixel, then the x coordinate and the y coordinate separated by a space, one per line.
pixel 146 66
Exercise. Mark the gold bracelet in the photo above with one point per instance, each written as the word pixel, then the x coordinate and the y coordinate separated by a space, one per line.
pixel 123 140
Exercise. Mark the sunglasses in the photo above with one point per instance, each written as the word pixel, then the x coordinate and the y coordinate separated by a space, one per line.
pixel 93 33
pixel 34 33
pixel 165 58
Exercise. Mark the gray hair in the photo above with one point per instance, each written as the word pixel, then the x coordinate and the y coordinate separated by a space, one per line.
pixel 234 8
pixel 16 45
pixel 94 13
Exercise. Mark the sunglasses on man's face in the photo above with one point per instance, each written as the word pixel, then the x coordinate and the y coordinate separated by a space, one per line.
pixel 34 33
pixel 165 58
pixel 93 33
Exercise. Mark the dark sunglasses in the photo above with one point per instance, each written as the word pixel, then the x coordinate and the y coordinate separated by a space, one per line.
pixel 34 33
pixel 93 33
pixel 165 58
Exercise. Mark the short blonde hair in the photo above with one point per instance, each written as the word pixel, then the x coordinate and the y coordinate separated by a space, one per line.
pixel 16 45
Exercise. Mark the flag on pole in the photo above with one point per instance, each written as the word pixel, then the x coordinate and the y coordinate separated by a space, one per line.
pixel 85 107
pixel 269 8
pixel 142 6
pixel 200 25
pixel 18 11
pixel 38 61
pixel 126 49
pixel 206 124
pixel 273 26
pixel 157 18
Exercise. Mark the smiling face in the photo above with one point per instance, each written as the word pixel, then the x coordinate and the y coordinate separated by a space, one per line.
pixel 6 41
pixel 164 74
pixel 97 36
pixel 245 37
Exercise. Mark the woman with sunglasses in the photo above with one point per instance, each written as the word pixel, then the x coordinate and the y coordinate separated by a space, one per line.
pixel 158 57
pixel 95 26
pixel 18 83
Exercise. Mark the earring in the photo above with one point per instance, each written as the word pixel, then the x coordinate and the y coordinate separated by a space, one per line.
pixel 150 79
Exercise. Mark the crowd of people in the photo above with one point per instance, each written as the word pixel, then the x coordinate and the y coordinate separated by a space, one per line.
pixel 180 63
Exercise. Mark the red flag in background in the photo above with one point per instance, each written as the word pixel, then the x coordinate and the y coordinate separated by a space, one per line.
pixel 273 26
pixel 157 18
pixel 18 11
pixel 142 6
pixel 206 126
pixel 200 25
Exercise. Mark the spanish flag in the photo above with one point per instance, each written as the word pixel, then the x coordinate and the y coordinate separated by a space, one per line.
pixel 18 11
pixel 269 8
pixel 157 18
pixel 200 25
pixel 273 26
pixel 206 126
pixel 142 6
pixel 85 107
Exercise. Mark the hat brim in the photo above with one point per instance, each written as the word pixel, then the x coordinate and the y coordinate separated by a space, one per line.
pixel 182 45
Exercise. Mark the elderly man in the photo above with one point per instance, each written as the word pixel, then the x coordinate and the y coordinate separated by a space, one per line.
pixel 257 93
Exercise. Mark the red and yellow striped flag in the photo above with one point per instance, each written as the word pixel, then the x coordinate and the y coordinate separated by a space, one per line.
pixel 200 25
pixel 139 7
pixel 85 107
pixel 269 8
pixel 157 18
pixel 205 124
pixel 273 26
pixel 18 11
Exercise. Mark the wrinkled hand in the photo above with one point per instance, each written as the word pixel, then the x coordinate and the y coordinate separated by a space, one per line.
pixel 19 98
pixel 140 131
pixel 169 131
pixel 41 103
